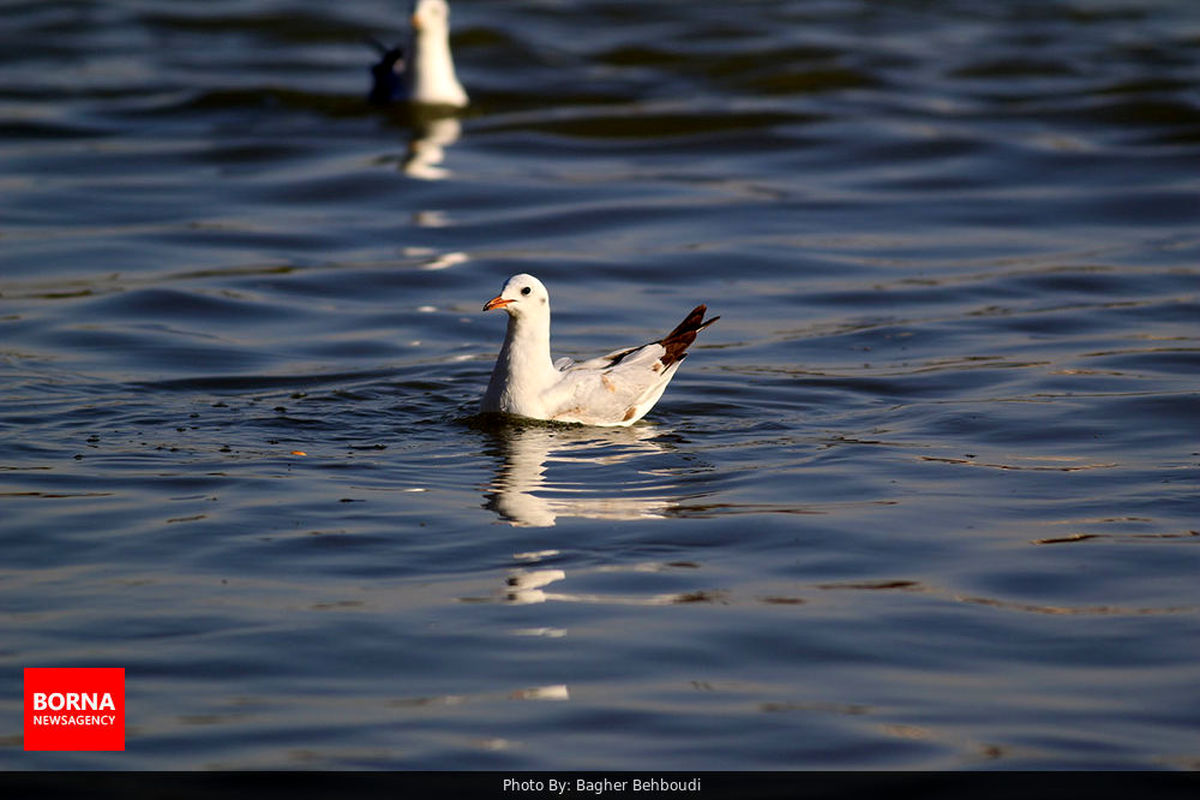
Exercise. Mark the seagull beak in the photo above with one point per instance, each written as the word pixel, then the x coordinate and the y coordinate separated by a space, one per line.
pixel 415 21
pixel 495 302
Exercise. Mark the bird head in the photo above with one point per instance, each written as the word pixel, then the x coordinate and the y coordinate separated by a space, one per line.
pixel 430 15
pixel 522 294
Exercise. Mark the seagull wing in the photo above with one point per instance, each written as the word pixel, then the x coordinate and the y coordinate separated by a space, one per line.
pixel 620 387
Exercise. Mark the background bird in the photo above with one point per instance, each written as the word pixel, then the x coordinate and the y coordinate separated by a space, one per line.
pixel 422 71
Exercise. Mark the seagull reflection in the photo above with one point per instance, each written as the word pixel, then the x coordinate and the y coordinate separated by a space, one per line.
pixel 522 494
pixel 528 586
pixel 431 134
pixel 525 587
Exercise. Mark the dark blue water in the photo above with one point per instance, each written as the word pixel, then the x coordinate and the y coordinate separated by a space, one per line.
pixel 926 497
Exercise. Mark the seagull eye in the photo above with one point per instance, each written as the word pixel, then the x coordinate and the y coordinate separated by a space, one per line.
pixel 526 290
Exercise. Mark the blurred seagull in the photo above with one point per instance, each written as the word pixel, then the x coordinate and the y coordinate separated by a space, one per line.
pixel 422 72
pixel 614 389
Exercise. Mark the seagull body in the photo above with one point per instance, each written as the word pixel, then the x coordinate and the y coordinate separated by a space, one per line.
pixel 424 71
pixel 615 389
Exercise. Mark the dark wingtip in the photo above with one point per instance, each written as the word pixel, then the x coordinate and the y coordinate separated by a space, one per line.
pixel 388 56
pixel 679 340
pixel 385 84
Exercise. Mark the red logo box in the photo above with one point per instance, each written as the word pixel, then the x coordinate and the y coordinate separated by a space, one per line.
pixel 74 708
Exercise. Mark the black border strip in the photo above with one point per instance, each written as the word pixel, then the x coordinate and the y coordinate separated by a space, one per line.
pixel 979 785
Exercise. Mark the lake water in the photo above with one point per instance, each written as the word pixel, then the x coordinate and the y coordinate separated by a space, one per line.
pixel 926 497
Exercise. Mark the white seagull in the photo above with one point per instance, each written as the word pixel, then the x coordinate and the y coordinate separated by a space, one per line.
pixel 424 71
pixel 614 389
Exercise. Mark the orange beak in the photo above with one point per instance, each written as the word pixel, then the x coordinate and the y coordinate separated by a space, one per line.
pixel 495 302
pixel 415 21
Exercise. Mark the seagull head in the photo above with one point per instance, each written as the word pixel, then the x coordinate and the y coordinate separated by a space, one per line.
pixel 522 295
pixel 430 15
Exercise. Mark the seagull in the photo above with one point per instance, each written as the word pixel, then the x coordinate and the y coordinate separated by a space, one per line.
pixel 423 72
pixel 616 389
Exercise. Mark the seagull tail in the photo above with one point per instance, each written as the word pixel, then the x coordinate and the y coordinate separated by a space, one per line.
pixel 679 340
